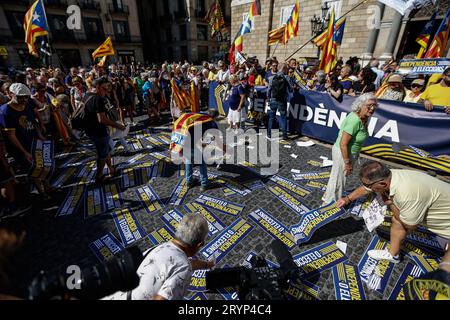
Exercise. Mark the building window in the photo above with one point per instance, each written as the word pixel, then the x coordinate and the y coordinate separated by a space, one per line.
pixel 15 20
pixel 118 4
pixel 183 33
pixel 201 8
pixel 94 29
pixel 244 19
pixel 58 28
pixel 203 54
pixel 121 30
pixel 202 32
pixel 285 14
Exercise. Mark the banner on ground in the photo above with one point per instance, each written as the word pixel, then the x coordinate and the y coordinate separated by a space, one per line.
pixel 214 224
pixel 161 235
pixel 106 247
pixel 43 159
pixel 273 227
pixel 172 219
pixel 150 200
pixel 347 282
pixel 290 186
pixel 179 193
pixel 220 205
pixel 287 199
pixel 129 228
pixel 72 201
pixel 320 116
pixel 313 220
pixel 375 273
pixel 226 240
pixel 410 272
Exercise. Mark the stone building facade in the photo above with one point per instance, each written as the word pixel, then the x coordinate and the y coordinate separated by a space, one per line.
pixel 177 30
pixel 100 19
pixel 372 29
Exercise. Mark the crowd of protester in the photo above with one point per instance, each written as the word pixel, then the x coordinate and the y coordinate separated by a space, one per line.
pixel 41 103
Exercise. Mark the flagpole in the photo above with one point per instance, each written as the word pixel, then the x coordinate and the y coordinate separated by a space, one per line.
pixel 307 42
pixel 276 47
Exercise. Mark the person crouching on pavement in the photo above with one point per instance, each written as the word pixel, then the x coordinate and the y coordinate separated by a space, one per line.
pixel 414 198
pixel 166 271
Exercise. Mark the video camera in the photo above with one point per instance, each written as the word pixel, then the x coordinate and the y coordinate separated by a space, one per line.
pixel 95 282
pixel 259 282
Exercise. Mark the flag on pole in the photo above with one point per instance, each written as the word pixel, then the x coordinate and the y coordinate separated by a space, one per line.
pixel 440 39
pixel 102 61
pixel 35 25
pixel 339 31
pixel 329 51
pixel 215 18
pixel 246 27
pixel 423 38
pixel 321 39
pixel 291 28
pixel 276 35
pixel 105 49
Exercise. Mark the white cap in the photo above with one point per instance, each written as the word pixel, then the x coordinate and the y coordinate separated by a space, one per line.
pixel 19 89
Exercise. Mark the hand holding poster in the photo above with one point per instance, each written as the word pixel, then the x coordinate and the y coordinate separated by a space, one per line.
pixel 43 159
pixel 374 214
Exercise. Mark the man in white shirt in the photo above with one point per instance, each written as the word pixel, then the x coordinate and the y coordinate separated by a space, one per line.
pixel 223 76
pixel 374 64
pixel 166 271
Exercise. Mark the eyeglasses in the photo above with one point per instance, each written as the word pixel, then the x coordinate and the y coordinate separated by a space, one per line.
pixel 372 106
pixel 416 86
pixel 368 187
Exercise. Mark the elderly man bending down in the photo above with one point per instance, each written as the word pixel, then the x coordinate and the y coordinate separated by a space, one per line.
pixel 415 198
pixel 166 271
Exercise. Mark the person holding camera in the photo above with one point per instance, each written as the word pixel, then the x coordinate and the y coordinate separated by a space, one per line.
pixel 166 271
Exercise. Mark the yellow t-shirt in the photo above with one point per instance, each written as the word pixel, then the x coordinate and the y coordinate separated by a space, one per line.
pixel 422 199
pixel 437 94
pixel 212 76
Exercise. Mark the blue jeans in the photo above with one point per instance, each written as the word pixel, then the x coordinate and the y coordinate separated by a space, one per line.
pixel 189 171
pixel 282 108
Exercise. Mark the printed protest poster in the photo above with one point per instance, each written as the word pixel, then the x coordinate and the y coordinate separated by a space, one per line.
pixel 172 219
pixel 317 185
pixel 273 227
pixel 215 225
pixel 43 162
pixel 72 202
pixel 64 177
pixel 347 282
pixel 113 199
pixel 374 214
pixel 317 175
pixel 129 228
pixel 198 296
pixel 290 186
pixel 255 185
pixel 375 273
pixel 94 204
pixel 237 188
pixel 161 235
pixel 150 200
pixel 310 222
pixel 288 200
pixel 318 259
pixel 106 247
pixel 198 281
pixel 410 272
pixel 220 205
pixel 179 193
pixel 226 240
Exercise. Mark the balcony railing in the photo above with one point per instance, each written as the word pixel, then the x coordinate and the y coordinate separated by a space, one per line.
pixel 89 5
pixel 117 10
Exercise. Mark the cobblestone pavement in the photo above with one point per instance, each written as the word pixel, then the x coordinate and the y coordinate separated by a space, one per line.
pixel 55 242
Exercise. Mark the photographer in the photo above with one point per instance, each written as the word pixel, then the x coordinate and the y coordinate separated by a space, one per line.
pixel 166 271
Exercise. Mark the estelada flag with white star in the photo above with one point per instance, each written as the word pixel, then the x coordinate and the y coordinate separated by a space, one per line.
pixel 35 25
pixel 105 49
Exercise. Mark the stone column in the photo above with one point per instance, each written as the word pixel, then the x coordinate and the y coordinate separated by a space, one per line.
pixel 373 36
pixel 393 36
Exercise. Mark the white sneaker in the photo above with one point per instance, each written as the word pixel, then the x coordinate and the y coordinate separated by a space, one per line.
pixel 383 255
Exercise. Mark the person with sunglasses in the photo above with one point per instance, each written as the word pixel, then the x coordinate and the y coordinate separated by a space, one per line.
pixel 414 94
pixel 415 198
pixel 438 94
pixel 348 145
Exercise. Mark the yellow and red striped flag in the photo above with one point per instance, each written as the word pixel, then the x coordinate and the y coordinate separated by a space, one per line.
pixel 329 51
pixel 437 47
pixel 276 36
pixel 291 28
pixel 105 49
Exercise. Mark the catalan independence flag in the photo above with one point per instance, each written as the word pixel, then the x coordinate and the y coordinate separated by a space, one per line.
pixel 423 38
pixel 322 38
pixel 105 49
pixel 440 39
pixel 291 28
pixel 329 51
pixel 276 36
pixel 35 25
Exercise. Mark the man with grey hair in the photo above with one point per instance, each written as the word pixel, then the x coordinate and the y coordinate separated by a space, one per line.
pixel 166 271
pixel 415 198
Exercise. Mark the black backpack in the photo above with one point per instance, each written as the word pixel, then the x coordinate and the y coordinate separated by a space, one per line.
pixel 76 121
pixel 279 88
